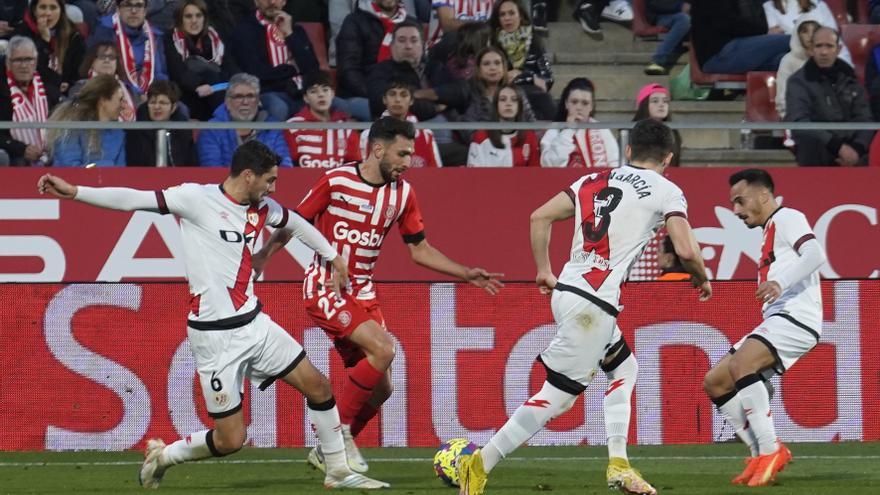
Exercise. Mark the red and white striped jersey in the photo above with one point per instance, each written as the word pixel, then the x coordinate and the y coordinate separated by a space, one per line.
pixel 784 233
pixel 425 151
pixel 465 10
pixel 322 148
pixel 355 216
pixel 617 212
pixel 218 235
pixel 516 152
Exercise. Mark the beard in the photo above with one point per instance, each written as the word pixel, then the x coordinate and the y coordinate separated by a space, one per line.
pixel 385 168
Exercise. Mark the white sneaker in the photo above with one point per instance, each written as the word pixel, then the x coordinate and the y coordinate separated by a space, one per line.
pixel 618 11
pixel 151 471
pixel 354 480
pixel 355 460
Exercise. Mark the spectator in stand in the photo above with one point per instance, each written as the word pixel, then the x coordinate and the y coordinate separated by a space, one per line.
pixel 58 41
pixel 731 37
pixel 161 14
pixel 671 269
pixel 825 89
pixel 529 63
pixel 365 40
pixel 671 14
pixel 216 146
pixel 438 88
pixel 783 16
pixel 652 102
pixel 100 100
pixel 198 60
pixel 27 94
pixel 458 49
pixel 321 148
pixel 579 147
pixel 449 15
pixel 138 43
pixel 801 43
pixel 270 46
pixel 103 58
pixel 161 106
pixel 11 16
pixel 398 99
pixel 505 148
pixel 339 10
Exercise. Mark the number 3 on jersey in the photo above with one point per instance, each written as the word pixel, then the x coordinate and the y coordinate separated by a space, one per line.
pixel 597 202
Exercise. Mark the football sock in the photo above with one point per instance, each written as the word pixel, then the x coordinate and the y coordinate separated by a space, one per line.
pixel 192 448
pixel 756 404
pixel 363 417
pixel 361 380
pixel 731 409
pixel 622 372
pixel 325 420
pixel 528 419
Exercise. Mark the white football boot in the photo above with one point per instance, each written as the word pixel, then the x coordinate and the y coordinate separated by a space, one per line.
pixel 151 471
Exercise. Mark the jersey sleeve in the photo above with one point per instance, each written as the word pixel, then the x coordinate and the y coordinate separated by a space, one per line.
pixel 316 201
pixel 794 229
pixel 410 222
pixel 572 190
pixel 182 200
pixel 674 203
pixel 278 214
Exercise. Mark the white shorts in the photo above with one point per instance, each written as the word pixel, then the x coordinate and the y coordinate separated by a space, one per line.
pixel 786 339
pixel 261 351
pixel 584 335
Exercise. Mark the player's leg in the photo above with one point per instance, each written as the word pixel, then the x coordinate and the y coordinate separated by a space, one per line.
pixel 381 393
pixel 378 349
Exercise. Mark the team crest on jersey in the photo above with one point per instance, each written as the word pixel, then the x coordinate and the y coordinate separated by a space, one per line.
pixel 345 318
pixel 221 399
pixel 390 211
pixel 253 218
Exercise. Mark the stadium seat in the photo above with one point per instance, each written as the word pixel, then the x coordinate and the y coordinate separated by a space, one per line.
pixel 318 37
pixel 838 8
pixel 760 97
pixel 860 39
pixel 640 25
pixel 721 81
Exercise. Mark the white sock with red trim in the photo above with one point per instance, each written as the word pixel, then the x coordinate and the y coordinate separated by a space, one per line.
pixel 617 404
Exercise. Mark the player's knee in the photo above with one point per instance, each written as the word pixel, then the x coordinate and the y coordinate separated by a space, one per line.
pixel 739 368
pixel 383 351
pixel 713 385
pixel 229 441
pixel 319 390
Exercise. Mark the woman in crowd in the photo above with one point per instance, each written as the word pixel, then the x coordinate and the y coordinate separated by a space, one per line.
pixel 61 47
pixel 490 75
pixel 579 147
pixel 197 59
pixel 161 106
pixel 505 148
pixel 529 64
pixel 652 102
pixel 99 100
pixel 102 58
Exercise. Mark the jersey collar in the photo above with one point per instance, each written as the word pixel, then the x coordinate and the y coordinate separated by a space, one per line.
pixel 365 181
pixel 771 215
pixel 230 198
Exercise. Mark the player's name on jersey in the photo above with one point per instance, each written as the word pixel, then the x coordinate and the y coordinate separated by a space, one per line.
pixel 641 186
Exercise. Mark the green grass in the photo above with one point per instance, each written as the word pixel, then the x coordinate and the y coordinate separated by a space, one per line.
pixel 849 468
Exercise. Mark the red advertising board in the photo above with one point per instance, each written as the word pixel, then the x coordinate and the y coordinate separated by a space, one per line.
pixel 107 366
pixel 477 216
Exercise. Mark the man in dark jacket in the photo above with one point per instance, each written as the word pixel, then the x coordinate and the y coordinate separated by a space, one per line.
pixel 730 37
pixel 268 45
pixel 438 88
pixel 825 89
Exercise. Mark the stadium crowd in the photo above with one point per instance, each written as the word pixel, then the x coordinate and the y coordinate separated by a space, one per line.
pixel 432 61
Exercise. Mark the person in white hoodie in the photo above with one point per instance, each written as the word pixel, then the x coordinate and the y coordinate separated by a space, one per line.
pixel 579 147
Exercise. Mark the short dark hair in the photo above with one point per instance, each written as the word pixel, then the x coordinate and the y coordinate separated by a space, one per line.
pixel 397 83
pixel 650 141
pixel 669 248
pixel 753 176
pixel 254 156
pixel 408 23
pixel 167 88
pixel 317 78
pixel 387 129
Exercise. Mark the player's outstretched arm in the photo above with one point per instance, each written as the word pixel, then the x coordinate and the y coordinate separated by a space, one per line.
pixel 424 254
pixel 559 207
pixel 688 251
pixel 113 198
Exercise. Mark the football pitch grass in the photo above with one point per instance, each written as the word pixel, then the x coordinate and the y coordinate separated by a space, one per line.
pixel 835 468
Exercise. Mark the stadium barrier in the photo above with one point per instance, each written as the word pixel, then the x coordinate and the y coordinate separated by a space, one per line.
pixel 107 366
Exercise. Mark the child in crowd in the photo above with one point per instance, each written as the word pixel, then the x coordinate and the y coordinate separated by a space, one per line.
pixel 652 102
pixel 497 148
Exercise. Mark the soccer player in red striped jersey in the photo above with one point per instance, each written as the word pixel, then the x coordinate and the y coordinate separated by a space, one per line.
pixel 355 207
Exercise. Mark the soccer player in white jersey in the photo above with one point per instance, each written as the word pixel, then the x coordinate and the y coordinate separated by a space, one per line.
pixel 616 213
pixel 788 288
pixel 231 338
pixel 356 206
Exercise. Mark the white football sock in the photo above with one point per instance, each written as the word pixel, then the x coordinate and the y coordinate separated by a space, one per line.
pixel 617 403
pixel 325 421
pixel 733 413
pixel 756 404
pixel 191 448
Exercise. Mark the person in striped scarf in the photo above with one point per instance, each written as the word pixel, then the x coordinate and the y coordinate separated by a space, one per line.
pixel 26 95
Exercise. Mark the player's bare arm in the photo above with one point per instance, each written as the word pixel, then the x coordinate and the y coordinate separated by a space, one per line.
pixel 689 252
pixel 559 207
pixel 278 239
pixel 424 254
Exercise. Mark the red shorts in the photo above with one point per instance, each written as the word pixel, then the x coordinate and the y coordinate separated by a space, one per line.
pixel 339 317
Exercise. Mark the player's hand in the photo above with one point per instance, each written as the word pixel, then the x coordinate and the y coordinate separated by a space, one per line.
pixel 546 282
pixel 768 292
pixel 485 280
pixel 284 23
pixel 258 263
pixel 340 276
pixel 56 186
pixel 705 289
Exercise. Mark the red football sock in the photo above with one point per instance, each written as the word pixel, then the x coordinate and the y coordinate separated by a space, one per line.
pixel 363 417
pixel 361 380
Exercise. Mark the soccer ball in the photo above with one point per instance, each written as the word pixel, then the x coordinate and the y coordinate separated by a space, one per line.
pixel 446 458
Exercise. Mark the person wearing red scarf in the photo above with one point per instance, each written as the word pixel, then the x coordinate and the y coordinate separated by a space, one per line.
pixel 60 46
pixel 26 95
